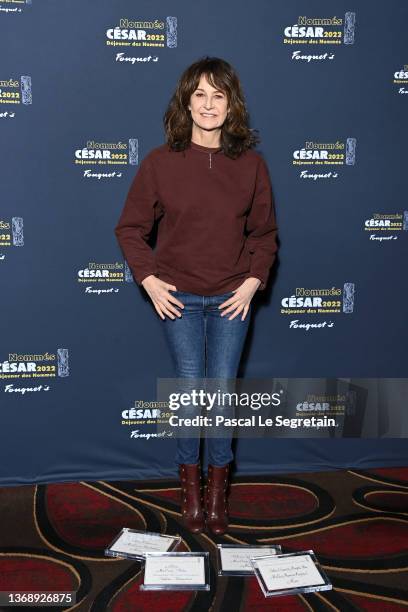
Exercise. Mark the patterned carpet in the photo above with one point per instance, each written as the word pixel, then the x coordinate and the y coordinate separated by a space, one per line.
pixel 52 537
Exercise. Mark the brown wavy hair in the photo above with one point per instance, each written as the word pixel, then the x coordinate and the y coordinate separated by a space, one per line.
pixel 236 135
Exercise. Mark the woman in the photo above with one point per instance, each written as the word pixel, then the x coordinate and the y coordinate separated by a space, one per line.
pixel 216 244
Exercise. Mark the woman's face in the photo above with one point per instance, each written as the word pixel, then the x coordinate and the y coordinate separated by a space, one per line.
pixel 208 105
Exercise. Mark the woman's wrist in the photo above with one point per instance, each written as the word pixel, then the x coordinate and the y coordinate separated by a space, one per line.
pixel 254 282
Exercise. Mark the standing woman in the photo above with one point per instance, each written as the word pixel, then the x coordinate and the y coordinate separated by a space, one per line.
pixel 216 244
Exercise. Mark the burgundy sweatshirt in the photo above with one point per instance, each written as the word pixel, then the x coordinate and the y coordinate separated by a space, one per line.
pixel 216 218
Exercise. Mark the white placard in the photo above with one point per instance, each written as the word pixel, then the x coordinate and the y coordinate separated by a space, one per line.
pixel 140 543
pixel 291 572
pixel 173 570
pixel 237 559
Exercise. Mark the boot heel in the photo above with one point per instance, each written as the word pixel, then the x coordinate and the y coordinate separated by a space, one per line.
pixel 216 499
pixel 191 497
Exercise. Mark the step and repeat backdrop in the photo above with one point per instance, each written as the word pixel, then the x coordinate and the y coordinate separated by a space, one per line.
pixel 83 89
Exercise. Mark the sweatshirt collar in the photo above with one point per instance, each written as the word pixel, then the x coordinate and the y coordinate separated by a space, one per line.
pixel 198 147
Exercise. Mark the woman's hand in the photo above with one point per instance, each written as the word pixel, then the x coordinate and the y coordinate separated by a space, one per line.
pixel 240 301
pixel 162 299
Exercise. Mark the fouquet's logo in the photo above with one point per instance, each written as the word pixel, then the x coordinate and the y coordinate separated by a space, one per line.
pixel 323 34
pixel 132 33
pixel 401 79
pixel 324 158
pixel 105 160
pixel 147 416
pixel 6 6
pixel 386 227
pixel 33 371
pixel 322 302
pixel 101 278
pixel 14 92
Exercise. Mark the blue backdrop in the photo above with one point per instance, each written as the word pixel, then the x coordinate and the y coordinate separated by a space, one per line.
pixel 83 88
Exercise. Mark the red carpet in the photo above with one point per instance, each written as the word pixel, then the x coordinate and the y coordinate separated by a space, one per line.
pixel 52 537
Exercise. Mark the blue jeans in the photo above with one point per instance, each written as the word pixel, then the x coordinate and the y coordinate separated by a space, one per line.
pixel 205 344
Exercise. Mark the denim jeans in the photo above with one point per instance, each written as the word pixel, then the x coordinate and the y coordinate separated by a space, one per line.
pixel 203 344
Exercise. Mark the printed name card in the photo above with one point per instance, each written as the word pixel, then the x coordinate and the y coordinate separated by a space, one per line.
pixel 134 544
pixel 291 573
pixel 176 571
pixel 235 559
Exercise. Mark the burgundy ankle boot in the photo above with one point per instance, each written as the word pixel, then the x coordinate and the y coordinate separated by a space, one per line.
pixel 216 499
pixel 191 499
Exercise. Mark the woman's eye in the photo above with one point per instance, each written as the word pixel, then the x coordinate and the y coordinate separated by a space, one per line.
pixel 220 96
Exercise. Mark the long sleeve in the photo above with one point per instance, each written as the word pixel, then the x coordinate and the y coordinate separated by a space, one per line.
pixel 135 224
pixel 261 227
